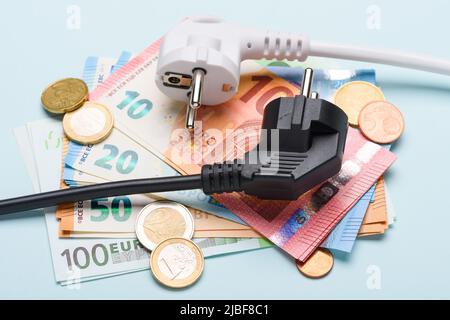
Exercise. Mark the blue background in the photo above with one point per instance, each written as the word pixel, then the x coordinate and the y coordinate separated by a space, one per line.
pixel 413 257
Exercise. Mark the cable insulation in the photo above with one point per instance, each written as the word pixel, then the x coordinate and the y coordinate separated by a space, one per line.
pixel 383 56
pixel 103 190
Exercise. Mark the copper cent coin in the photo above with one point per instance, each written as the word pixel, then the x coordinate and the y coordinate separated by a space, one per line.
pixel 318 264
pixel 381 122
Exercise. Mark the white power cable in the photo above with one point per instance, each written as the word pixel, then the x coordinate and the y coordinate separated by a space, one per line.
pixel 383 56
pixel 215 49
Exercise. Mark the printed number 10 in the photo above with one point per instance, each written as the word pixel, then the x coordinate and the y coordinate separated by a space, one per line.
pixel 138 109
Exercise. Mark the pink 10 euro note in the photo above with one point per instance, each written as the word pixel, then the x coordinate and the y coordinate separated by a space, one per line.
pixel 300 226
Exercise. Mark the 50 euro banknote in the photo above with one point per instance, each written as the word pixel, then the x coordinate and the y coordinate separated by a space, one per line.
pixel 116 217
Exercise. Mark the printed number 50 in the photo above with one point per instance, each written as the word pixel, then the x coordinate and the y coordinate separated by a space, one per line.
pixel 115 209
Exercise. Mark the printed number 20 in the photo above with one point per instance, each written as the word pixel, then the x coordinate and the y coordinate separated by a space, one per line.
pixel 125 163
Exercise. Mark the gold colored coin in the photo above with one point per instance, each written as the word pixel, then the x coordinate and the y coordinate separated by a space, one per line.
pixel 162 223
pixel 381 122
pixel 90 124
pixel 318 264
pixel 353 96
pixel 65 95
pixel 177 262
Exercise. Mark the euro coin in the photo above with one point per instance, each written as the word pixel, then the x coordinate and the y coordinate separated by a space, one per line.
pixel 65 95
pixel 381 122
pixel 90 124
pixel 177 262
pixel 353 96
pixel 161 220
pixel 318 264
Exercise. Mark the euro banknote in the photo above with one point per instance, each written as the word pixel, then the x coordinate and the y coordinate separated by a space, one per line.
pixel 376 218
pixel 391 213
pixel 124 57
pixel 97 69
pixel 343 236
pixel 377 210
pixel 116 217
pixel 77 260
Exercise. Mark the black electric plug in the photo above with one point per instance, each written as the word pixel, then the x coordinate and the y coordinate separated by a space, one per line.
pixel 308 149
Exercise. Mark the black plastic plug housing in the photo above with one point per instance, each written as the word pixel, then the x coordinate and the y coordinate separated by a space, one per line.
pixel 309 149
pixel 312 134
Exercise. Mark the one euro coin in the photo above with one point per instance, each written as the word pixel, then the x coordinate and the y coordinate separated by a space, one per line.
pixel 177 262
pixel 90 124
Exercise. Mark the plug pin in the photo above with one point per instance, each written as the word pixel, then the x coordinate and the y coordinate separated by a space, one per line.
pixel 307 82
pixel 195 98
pixel 190 117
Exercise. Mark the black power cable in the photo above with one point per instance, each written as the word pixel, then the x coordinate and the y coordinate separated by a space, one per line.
pixel 109 189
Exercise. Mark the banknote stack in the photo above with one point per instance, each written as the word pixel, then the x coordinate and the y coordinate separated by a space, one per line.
pixel 97 238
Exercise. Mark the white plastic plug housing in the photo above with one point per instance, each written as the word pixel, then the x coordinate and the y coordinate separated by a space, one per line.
pixel 218 48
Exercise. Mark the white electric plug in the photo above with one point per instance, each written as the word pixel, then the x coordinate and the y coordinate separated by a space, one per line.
pixel 199 59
